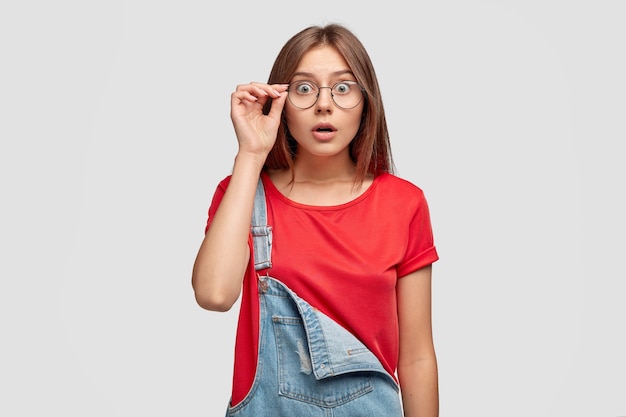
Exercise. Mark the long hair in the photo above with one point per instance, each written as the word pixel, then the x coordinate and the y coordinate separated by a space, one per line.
pixel 370 149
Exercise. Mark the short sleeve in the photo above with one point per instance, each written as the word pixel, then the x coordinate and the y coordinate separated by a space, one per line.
pixel 216 200
pixel 420 250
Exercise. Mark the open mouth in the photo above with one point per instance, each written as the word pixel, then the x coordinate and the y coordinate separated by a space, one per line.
pixel 324 128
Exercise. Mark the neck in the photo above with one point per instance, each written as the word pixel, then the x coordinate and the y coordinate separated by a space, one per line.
pixel 324 169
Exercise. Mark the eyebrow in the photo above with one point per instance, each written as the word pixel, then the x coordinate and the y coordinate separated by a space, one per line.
pixel 334 74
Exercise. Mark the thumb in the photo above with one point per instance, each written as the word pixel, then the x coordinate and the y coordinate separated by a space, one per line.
pixel 277 106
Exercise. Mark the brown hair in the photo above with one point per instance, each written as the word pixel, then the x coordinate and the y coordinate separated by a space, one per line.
pixel 370 149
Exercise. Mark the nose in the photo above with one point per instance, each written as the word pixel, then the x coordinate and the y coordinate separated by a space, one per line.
pixel 324 100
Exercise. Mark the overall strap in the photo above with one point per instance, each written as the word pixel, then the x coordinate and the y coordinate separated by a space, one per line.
pixel 261 231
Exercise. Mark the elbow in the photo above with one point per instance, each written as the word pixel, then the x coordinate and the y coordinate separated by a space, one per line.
pixel 216 291
pixel 215 303
pixel 213 298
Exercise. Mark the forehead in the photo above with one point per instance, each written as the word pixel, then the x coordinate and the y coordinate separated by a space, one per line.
pixel 322 61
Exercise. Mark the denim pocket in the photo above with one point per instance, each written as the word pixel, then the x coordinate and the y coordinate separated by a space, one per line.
pixel 296 378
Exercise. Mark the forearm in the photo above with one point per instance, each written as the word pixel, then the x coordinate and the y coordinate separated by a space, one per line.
pixel 224 254
pixel 420 388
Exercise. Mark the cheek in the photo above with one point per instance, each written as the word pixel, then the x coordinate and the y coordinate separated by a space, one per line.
pixel 292 120
pixel 290 114
pixel 357 120
pixel 293 116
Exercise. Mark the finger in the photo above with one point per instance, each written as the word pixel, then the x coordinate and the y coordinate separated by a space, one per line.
pixel 242 96
pixel 248 92
pixel 249 95
pixel 253 92
pixel 273 90
pixel 278 104
pixel 279 88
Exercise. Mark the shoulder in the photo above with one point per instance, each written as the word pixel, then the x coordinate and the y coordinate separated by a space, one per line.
pixel 399 197
pixel 395 186
pixel 219 192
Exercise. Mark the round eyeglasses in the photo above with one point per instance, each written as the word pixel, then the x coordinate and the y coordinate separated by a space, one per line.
pixel 345 94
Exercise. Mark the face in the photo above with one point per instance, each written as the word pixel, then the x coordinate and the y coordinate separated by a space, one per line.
pixel 324 129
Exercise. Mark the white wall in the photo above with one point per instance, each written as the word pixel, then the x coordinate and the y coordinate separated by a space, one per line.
pixel 114 133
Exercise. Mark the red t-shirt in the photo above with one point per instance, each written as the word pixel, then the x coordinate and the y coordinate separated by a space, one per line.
pixel 344 260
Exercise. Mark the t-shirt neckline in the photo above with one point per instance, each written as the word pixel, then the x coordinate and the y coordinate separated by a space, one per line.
pixel 270 187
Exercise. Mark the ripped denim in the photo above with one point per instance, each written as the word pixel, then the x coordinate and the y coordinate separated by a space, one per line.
pixel 309 366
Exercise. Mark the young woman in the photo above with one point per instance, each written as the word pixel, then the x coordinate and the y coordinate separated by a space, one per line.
pixel 338 320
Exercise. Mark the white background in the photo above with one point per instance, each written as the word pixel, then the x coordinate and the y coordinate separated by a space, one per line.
pixel 115 132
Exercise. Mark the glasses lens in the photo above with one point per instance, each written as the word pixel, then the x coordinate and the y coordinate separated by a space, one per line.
pixel 303 94
pixel 345 94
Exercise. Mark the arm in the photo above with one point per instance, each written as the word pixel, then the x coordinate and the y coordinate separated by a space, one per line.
pixel 417 363
pixel 224 254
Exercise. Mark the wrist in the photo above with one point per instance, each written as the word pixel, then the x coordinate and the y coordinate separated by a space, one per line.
pixel 251 159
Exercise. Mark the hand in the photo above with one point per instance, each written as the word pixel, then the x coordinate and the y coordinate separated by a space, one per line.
pixel 256 132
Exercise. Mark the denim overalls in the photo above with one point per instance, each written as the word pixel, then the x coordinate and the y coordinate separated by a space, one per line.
pixel 308 365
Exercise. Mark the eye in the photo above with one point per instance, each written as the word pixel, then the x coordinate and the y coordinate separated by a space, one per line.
pixel 342 87
pixel 305 87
